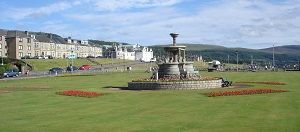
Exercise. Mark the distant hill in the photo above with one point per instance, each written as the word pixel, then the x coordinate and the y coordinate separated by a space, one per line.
pixel 51 37
pixel 221 53
pixel 100 42
pixel 286 49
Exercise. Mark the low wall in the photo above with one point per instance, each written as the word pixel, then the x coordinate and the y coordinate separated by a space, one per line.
pixel 178 85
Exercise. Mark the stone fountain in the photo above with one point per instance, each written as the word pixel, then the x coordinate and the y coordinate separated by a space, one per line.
pixel 175 65
pixel 175 73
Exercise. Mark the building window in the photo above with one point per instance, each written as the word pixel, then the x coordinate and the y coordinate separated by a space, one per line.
pixel 20 54
pixel 29 54
pixel 36 53
pixel 0 46
pixel 20 47
pixel 20 39
pixel 36 45
pixel 29 47
pixel 28 40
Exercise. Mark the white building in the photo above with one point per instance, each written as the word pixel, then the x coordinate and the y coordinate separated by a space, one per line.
pixel 123 53
pixel 132 52
pixel 146 54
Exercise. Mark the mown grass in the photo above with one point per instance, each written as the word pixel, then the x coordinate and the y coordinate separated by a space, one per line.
pixel 27 109
pixel 46 64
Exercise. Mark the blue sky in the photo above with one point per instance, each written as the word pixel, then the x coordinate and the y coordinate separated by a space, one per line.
pixel 231 23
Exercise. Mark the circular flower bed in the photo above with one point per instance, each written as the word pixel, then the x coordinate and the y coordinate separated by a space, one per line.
pixel 268 83
pixel 79 93
pixel 175 79
pixel 243 92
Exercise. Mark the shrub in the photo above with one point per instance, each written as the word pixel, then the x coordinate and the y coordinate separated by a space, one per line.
pixel 2 70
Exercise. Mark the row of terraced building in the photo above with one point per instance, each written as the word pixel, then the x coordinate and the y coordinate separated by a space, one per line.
pixel 23 44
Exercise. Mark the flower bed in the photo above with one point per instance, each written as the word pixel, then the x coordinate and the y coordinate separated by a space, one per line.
pixel 243 92
pixel 268 83
pixel 171 79
pixel 79 93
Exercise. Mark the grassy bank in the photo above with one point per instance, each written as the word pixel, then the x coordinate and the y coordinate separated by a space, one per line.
pixel 46 64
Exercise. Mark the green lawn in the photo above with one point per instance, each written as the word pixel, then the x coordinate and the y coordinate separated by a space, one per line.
pixel 46 64
pixel 32 105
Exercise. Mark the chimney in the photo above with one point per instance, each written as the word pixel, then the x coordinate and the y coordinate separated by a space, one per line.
pixel 26 32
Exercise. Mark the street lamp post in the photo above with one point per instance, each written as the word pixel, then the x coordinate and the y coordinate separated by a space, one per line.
pixel 111 55
pixel 228 59
pixel 124 61
pixel 237 60
pixel 273 61
pixel 72 57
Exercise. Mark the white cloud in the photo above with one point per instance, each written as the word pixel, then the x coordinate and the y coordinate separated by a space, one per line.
pixel 229 23
pixel 243 23
pixel 23 13
pixel 126 4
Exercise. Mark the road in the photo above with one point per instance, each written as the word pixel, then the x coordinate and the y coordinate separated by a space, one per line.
pixel 95 69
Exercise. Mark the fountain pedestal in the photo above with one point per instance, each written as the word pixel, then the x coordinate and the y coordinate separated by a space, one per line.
pixel 175 65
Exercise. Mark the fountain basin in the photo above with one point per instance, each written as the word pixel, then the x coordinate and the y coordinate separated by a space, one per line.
pixel 175 85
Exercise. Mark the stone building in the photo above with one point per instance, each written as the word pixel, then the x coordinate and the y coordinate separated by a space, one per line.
pixel 20 44
pixel 3 46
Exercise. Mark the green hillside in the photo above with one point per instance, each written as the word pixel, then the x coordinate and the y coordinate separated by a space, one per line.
pixel 286 49
pixel 214 52
pixel 101 42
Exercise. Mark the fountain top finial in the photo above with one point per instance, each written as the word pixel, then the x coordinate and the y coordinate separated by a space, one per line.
pixel 174 36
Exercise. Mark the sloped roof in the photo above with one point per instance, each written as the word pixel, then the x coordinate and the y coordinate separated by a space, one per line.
pixel 13 33
pixel 42 38
pixel 3 32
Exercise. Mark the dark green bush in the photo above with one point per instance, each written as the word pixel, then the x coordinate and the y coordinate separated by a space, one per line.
pixel 2 70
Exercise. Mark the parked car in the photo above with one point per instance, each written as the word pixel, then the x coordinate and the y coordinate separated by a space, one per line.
pixel 11 73
pixel 85 67
pixel 90 57
pixel 72 68
pixel 153 60
pixel 56 70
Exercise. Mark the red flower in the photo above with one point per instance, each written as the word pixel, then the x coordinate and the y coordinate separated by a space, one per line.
pixel 268 83
pixel 243 92
pixel 79 93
